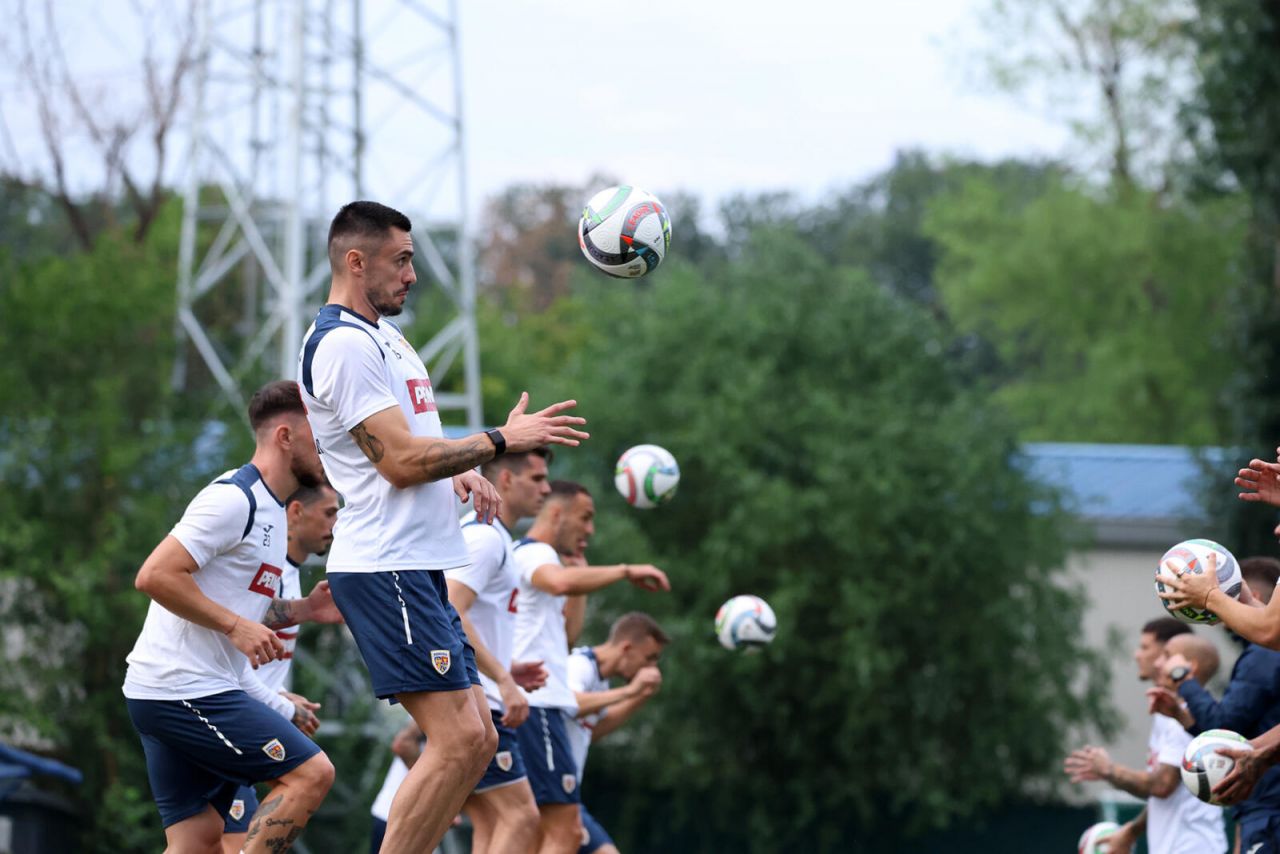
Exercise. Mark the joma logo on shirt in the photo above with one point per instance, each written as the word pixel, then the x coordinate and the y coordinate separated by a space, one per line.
pixel 420 395
pixel 266 581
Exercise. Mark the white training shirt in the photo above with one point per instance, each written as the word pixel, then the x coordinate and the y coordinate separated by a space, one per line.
pixel 275 674
pixel 492 577
pixel 349 369
pixel 540 631
pixel 584 678
pixel 1180 823
pixel 234 530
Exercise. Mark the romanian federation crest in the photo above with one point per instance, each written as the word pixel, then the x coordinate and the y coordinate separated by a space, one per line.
pixel 440 660
pixel 569 782
pixel 503 760
pixel 274 749
pixel 237 809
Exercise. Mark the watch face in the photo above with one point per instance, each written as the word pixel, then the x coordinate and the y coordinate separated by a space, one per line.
pixel 1179 673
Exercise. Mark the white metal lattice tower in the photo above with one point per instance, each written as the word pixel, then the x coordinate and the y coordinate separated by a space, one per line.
pixel 298 107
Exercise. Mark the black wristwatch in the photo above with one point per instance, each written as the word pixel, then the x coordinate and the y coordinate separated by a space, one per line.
pixel 499 442
pixel 1179 673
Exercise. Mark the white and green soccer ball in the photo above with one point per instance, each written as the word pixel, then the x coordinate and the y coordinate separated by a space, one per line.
pixel 624 232
pixel 745 622
pixel 647 475
pixel 1203 767
pixel 1192 556
pixel 1091 840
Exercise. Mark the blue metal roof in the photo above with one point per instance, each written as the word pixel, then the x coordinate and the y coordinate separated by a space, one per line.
pixel 1125 482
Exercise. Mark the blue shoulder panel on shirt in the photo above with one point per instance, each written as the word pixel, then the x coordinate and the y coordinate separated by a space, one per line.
pixel 329 319
pixel 245 477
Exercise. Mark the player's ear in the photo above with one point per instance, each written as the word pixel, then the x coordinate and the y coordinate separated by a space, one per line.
pixel 355 260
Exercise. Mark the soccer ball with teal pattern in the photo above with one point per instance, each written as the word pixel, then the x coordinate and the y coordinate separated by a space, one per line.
pixel 625 232
pixel 647 476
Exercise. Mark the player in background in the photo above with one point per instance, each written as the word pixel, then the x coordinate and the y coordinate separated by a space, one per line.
pixel 310 513
pixel 376 425
pixel 1250 706
pixel 502 810
pixel 631 652
pixel 1174 820
pixel 564 526
pixel 205 726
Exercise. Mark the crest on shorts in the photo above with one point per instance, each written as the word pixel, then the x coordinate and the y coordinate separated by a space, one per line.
pixel 569 782
pixel 237 809
pixel 503 760
pixel 440 660
pixel 274 749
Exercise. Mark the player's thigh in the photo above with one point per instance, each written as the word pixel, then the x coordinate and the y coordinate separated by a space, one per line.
pixel 197 834
pixel 232 843
pixel 449 719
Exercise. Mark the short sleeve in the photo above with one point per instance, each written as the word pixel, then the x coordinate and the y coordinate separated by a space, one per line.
pixel 1173 743
pixel 214 522
pixel 582 673
pixel 531 556
pixel 348 376
pixel 488 551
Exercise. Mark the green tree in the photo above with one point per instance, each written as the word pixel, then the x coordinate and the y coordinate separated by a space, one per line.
pixel 97 454
pixel 1113 316
pixel 832 462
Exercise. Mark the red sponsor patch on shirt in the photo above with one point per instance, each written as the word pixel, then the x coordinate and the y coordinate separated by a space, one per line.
pixel 266 581
pixel 420 395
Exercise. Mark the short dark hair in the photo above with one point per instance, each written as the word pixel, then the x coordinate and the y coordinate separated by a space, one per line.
pixel 308 495
pixel 636 626
pixel 564 490
pixel 281 397
pixel 514 462
pixel 1164 628
pixel 362 220
pixel 1263 570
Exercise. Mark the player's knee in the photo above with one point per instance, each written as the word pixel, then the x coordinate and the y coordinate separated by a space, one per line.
pixel 524 819
pixel 315 776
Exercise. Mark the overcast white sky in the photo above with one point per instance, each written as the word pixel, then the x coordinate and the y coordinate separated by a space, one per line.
pixel 709 96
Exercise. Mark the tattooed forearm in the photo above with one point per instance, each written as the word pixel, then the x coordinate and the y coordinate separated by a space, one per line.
pixel 369 443
pixel 445 459
pixel 281 614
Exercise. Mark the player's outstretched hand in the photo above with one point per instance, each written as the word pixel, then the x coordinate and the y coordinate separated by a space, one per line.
pixel 304 714
pixel 516 702
pixel 1260 482
pixel 486 501
pixel 256 641
pixel 1087 763
pixel 1236 786
pixel 320 605
pixel 1189 589
pixel 525 431
pixel 529 675
pixel 1162 701
pixel 647 577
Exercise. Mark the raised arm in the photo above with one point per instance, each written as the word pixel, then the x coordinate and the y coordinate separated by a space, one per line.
pixel 406 460
pixel 574 581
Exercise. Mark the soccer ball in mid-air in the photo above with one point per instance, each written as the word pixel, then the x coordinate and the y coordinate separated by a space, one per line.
pixel 646 476
pixel 1203 767
pixel 624 231
pixel 745 622
pixel 1193 556
pixel 1091 840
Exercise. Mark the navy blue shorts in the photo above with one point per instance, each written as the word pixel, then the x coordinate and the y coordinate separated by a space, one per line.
pixel 243 806
pixel 200 751
pixel 548 761
pixel 409 635
pixel 1260 833
pixel 376 833
pixel 507 765
pixel 593 832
